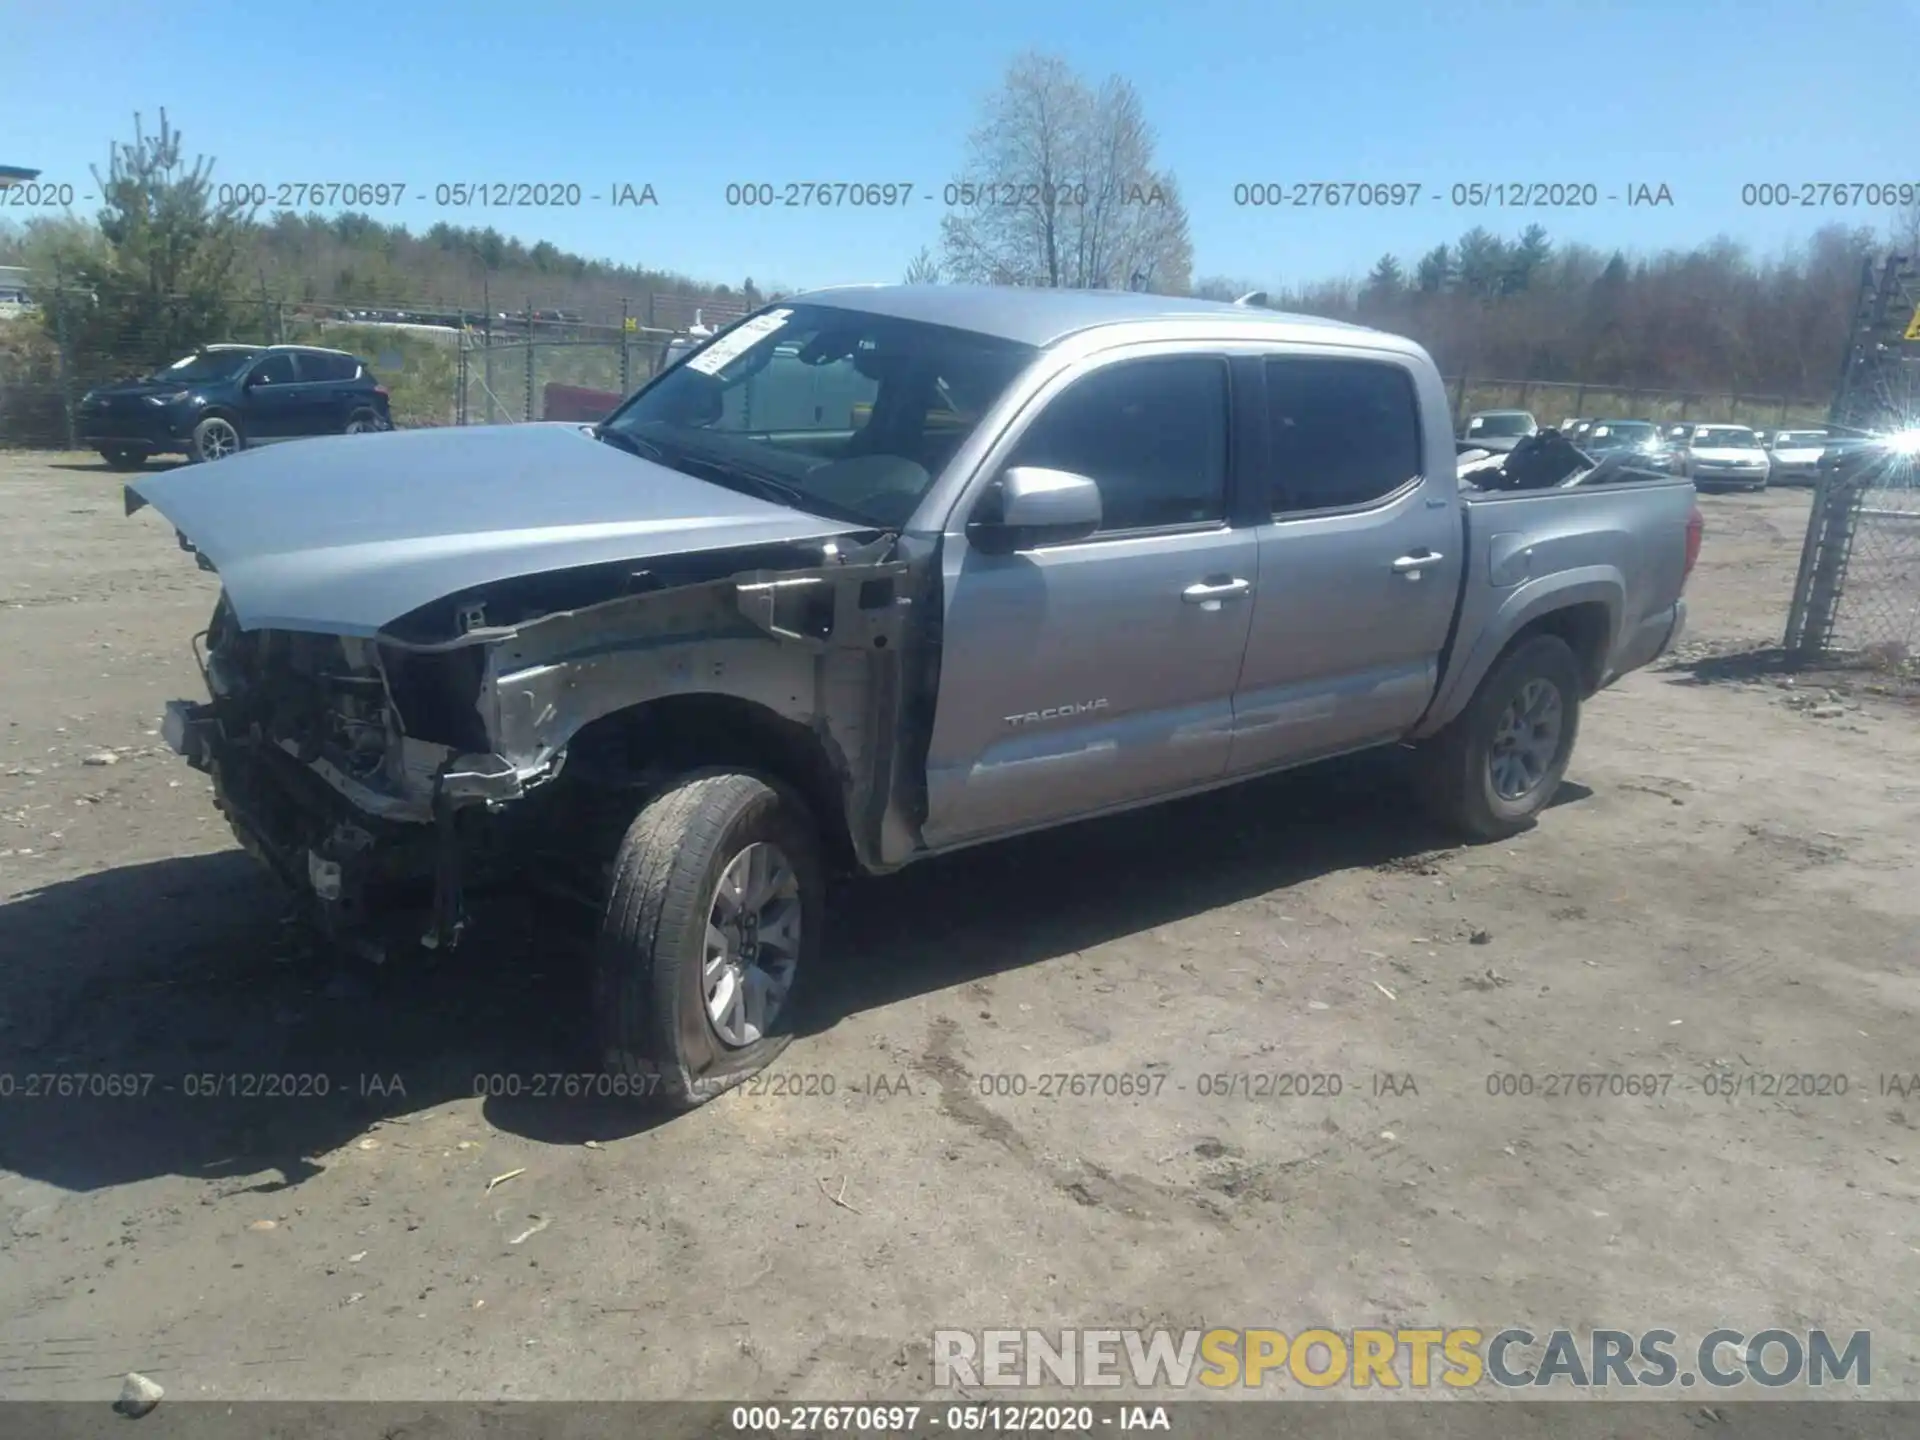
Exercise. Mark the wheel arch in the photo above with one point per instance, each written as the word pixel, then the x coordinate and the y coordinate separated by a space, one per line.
pixel 705 730
pixel 219 411
pixel 1582 608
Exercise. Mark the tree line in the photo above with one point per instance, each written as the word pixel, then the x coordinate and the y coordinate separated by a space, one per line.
pixel 1708 318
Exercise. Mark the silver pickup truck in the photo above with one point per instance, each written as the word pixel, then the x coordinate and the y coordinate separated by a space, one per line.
pixel 1030 557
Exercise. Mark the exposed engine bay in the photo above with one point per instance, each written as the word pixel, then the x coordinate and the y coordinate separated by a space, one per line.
pixel 489 733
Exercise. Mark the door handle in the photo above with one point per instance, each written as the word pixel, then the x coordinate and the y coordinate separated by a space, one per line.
pixel 1412 565
pixel 1206 592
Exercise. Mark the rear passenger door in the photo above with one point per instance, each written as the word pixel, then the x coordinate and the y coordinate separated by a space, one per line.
pixel 1083 676
pixel 325 390
pixel 1359 560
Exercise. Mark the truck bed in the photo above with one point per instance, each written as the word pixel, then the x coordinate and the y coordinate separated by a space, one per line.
pixel 1618 550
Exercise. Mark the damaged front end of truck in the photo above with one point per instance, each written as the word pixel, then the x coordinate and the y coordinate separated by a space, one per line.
pixel 508 731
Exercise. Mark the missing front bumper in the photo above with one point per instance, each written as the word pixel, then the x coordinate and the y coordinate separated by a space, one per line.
pixel 365 878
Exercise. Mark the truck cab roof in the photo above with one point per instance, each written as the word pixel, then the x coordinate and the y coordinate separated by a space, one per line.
pixel 1041 318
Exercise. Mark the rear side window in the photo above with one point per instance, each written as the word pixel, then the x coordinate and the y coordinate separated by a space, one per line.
pixel 317 366
pixel 1340 432
pixel 1151 433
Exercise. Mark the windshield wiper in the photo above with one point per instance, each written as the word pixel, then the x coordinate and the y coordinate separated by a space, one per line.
pixel 632 444
pixel 768 487
pixel 733 475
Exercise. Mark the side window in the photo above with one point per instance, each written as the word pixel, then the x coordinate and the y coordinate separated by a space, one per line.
pixel 315 366
pixel 276 369
pixel 1151 433
pixel 1340 432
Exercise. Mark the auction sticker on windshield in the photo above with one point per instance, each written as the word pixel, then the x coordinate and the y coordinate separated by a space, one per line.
pixel 737 341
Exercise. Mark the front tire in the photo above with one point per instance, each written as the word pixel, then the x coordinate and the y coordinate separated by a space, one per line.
pixel 215 438
pixel 714 914
pixel 1492 770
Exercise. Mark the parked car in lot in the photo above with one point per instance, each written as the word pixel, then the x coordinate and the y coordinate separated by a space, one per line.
pixel 1722 455
pixel 226 398
pixel 684 666
pixel 1498 430
pixel 1640 437
pixel 1795 456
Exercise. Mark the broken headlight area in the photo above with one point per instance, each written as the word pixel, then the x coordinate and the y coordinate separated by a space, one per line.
pixel 376 818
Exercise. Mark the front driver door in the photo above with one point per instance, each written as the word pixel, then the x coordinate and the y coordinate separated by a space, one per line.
pixel 270 408
pixel 1084 676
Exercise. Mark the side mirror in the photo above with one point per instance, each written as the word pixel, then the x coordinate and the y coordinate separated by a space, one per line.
pixel 1029 506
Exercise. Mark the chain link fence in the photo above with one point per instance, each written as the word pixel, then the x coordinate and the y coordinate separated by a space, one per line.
pixel 1856 600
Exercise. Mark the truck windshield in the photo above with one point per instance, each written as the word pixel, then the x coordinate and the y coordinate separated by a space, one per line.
pixel 832 410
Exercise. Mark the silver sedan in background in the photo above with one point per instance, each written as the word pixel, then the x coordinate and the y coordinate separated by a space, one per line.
pixel 1796 456
pixel 1499 430
pixel 1716 455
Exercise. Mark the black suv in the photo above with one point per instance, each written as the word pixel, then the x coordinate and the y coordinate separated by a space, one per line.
pixel 225 398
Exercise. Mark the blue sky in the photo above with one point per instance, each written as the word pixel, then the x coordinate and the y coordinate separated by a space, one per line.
pixel 1702 96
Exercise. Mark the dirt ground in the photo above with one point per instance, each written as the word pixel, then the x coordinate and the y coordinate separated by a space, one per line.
pixel 1726 886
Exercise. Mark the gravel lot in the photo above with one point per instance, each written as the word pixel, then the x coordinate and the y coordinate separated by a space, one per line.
pixel 1728 884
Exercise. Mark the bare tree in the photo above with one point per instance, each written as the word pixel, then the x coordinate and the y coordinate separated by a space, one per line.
pixel 1060 189
pixel 923 269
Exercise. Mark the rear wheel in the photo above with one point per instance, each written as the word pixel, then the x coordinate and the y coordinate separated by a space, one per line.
pixel 713 916
pixel 121 458
pixel 1498 764
pixel 363 422
pixel 215 438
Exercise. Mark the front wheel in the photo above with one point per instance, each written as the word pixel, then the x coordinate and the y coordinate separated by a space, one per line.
pixel 215 438
pixel 1498 764
pixel 714 915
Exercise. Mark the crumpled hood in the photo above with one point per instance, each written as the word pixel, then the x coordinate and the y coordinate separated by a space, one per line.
pixel 345 534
